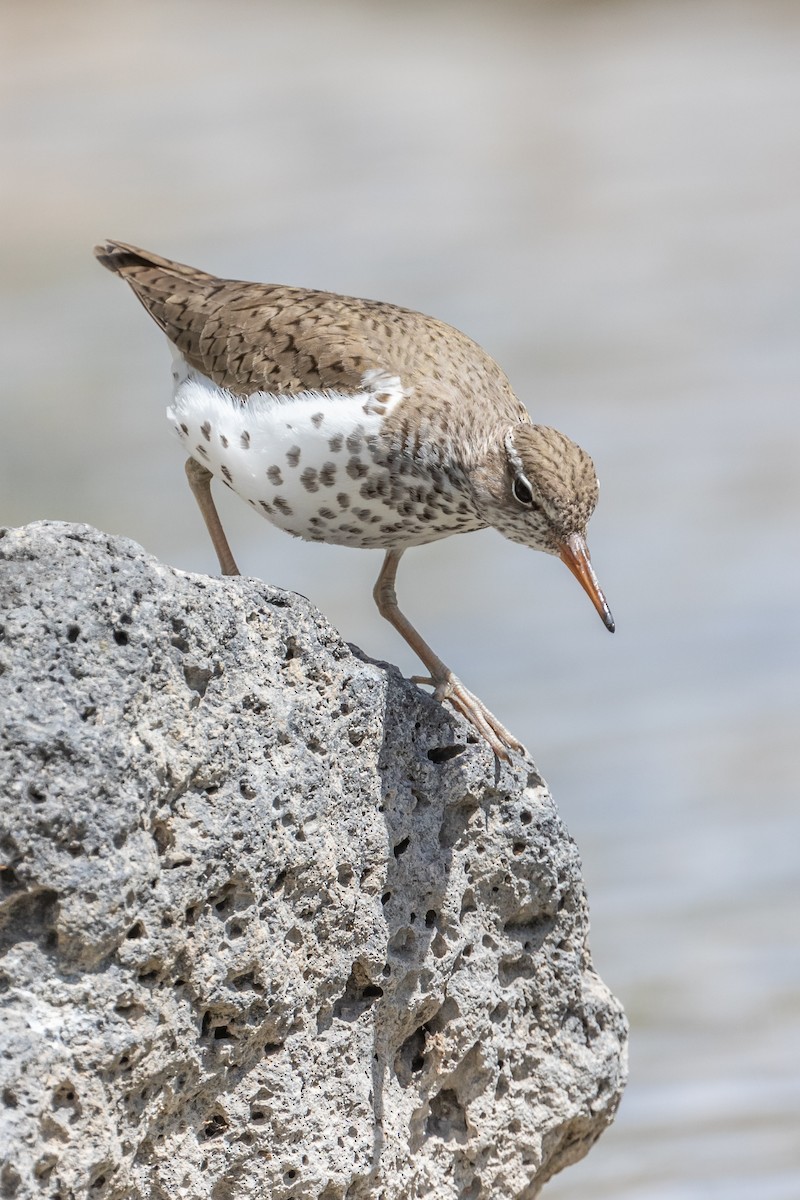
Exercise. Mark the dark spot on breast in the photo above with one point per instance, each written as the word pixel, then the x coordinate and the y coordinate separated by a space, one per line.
pixel 274 476
pixel 344 499
pixel 282 506
pixel 317 419
pixel 327 474
pixel 334 444
pixel 293 456
pixel 354 442
pixel 309 480
pixel 356 469
pixel 201 450
pixel 224 441
pixel 226 474
pixel 245 440
pixel 266 507
pixel 327 515
pixel 205 429
pixel 185 428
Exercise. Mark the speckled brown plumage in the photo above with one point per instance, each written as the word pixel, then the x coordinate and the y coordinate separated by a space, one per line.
pixel 250 337
pixel 363 423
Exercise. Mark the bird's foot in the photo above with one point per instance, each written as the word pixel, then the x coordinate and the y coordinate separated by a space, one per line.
pixel 451 688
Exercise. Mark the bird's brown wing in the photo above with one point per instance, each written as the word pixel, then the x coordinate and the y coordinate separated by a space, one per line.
pixel 251 337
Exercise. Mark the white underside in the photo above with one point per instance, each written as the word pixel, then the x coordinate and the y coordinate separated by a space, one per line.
pixel 252 445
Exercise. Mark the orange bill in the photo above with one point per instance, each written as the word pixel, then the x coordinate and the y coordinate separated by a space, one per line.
pixel 575 553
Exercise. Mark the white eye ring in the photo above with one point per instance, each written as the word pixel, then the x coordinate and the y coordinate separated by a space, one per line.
pixel 523 492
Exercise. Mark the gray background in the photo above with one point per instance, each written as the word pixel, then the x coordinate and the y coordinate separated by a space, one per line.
pixel 606 196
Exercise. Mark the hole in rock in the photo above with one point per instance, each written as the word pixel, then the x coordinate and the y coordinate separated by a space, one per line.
pixel 439 946
pixel 179 632
pixel 410 1058
pixel 197 679
pixel 440 754
pixel 64 1096
pixel 359 995
pixel 511 969
pixel 214 1126
pixel 247 981
pixel 446 1119
pixel 29 917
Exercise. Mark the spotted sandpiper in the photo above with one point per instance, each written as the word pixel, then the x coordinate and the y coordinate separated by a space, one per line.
pixel 362 424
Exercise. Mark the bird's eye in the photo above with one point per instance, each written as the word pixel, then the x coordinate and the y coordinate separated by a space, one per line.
pixel 522 491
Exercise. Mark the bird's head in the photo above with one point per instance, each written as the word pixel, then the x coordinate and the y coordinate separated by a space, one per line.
pixel 548 493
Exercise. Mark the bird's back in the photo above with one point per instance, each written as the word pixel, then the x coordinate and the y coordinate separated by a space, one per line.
pixel 249 337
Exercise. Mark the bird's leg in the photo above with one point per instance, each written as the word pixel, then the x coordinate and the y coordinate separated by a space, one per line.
pixel 200 482
pixel 446 685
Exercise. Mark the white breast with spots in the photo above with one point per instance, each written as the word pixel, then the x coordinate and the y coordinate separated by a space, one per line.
pixel 300 460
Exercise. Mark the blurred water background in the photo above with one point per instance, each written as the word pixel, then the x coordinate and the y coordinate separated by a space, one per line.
pixel 606 195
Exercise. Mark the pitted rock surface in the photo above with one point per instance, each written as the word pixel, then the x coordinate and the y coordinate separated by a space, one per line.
pixel 272 923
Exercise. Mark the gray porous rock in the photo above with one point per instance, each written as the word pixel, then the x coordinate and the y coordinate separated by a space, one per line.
pixel 272 924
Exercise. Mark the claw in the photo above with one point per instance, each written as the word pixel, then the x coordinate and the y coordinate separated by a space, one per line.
pixel 452 690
